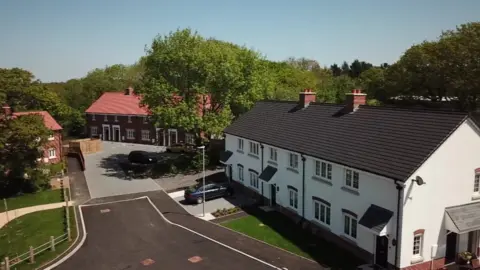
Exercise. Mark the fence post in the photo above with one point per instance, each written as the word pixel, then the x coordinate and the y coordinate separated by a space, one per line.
pixel 69 234
pixel 67 214
pixel 7 263
pixel 52 243
pixel 32 255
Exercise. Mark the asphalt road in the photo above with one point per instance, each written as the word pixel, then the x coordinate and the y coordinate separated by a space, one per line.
pixel 122 235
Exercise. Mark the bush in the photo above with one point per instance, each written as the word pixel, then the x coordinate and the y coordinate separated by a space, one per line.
pixel 197 161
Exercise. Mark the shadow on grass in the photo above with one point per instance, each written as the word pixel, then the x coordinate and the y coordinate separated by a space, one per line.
pixel 318 249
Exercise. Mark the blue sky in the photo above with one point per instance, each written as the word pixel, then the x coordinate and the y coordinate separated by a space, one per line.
pixel 58 39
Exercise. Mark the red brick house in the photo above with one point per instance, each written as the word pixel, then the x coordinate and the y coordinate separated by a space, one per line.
pixel 118 116
pixel 53 147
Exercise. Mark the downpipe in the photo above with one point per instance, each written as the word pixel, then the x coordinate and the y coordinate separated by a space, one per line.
pixel 303 186
pixel 399 188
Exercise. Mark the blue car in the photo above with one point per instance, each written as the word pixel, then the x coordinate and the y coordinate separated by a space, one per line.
pixel 195 194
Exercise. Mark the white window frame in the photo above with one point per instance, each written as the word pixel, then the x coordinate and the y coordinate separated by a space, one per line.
pixel 94 131
pixel 145 120
pixel 273 154
pixel 254 148
pixel 93 117
pixel 52 153
pixel 293 161
pixel 417 245
pixel 240 144
pixel 130 133
pixel 323 169
pixel 240 172
pixel 293 198
pixel 105 118
pixel 145 135
pixel 348 222
pixel 324 209
pixel 352 177
pixel 115 118
pixel 129 119
pixel 51 137
pixel 254 179
pixel 189 138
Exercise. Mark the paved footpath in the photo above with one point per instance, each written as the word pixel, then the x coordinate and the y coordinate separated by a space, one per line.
pixel 13 214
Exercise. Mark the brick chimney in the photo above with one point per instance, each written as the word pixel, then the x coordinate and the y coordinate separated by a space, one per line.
pixel 6 110
pixel 129 91
pixel 306 97
pixel 354 99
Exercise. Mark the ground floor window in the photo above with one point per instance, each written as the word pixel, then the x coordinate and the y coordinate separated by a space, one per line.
pixel 145 135
pixel 253 179
pixel 417 244
pixel 350 225
pixel 52 153
pixel 130 134
pixel 189 138
pixel 94 131
pixel 293 195
pixel 240 172
pixel 322 212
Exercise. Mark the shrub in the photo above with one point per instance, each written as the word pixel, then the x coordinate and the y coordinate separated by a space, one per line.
pixel 197 161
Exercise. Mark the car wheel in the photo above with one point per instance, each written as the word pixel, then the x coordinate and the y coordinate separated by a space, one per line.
pixel 199 200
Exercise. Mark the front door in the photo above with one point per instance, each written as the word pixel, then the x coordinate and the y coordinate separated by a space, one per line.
pixel 230 173
pixel 273 195
pixel 161 137
pixel 116 134
pixel 381 251
pixel 172 136
pixel 451 249
pixel 106 133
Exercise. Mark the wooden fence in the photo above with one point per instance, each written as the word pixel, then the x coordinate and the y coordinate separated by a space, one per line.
pixel 77 153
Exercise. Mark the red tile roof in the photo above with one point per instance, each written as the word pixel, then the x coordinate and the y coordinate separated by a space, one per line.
pixel 118 103
pixel 47 119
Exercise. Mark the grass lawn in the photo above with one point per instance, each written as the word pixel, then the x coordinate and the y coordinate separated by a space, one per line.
pixel 277 230
pixel 26 200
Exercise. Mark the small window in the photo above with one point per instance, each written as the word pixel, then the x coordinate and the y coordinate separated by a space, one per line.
pixel 254 148
pixel 52 153
pixel 273 154
pixel 130 134
pixel 145 135
pixel 322 212
pixel 93 131
pixel 476 183
pixel 145 120
pixel 240 172
pixel 129 119
pixel 293 161
pixel 293 195
pixel 240 144
pixel 417 245
pixel 351 178
pixel 93 117
pixel 105 118
pixel 350 225
pixel 189 138
pixel 51 137
pixel 115 118
pixel 254 179
pixel 323 169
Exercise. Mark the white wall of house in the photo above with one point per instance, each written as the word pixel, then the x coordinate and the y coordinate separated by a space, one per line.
pixel 372 190
pixel 449 176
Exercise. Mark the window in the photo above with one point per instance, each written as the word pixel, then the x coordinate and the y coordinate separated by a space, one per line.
pixel 189 138
pixel 52 153
pixel 273 154
pixel 240 144
pixel 323 169
pixel 93 117
pixel 145 135
pixel 105 118
pixel 115 118
pixel 50 137
pixel 254 179
pixel 145 119
pixel 417 245
pixel 254 148
pixel 129 119
pixel 350 225
pixel 93 131
pixel 130 134
pixel 351 178
pixel 240 172
pixel 293 198
pixel 476 183
pixel 293 160
pixel 322 212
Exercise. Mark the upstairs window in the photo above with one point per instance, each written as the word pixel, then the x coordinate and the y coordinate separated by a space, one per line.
pixel 273 154
pixel 293 161
pixel 323 169
pixel 145 120
pixel 129 119
pixel 93 117
pixel 240 144
pixel 115 118
pixel 254 148
pixel 352 179
pixel 105 118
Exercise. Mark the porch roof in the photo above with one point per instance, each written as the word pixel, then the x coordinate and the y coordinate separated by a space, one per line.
pixel 225 156
pixel 376 218
pixel 463 218
pixel 268 173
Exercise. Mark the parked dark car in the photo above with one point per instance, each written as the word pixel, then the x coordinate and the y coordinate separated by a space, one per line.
pixel 195 194
pixel 142 157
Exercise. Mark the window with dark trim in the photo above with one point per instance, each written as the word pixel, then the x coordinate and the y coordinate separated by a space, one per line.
pixel 321 211
pixel 253 178
pixel 293 197
pixel 240 172
pixel 350 224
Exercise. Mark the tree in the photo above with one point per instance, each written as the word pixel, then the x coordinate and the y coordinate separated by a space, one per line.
pixel 345 68
pixel 336 71
pixel 200 84
pixel 372 82
pixel 21 142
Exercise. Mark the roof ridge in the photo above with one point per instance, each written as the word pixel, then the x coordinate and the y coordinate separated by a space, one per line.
pixel 429 110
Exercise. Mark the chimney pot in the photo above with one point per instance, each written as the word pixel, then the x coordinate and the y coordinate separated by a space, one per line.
pixel 129 91
pixel 7 110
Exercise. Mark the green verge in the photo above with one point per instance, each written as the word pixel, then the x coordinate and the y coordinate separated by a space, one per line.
pixel 26 200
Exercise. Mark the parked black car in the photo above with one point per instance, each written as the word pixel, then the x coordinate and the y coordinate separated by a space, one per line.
pixel 142 157
pixel 195 194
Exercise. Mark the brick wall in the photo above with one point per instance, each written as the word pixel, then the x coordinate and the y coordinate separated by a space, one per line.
pixel 437 264
pixel 56 144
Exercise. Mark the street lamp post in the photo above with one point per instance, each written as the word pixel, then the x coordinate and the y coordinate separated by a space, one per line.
pixel 203 159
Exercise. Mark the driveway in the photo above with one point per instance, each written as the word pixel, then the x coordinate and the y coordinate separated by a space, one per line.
pixel 132 235
pixel 105 178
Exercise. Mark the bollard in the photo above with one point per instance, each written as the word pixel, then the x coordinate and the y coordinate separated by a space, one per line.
pixel 52 243
pixel 7 263
pixel 32 255
pixel 69 234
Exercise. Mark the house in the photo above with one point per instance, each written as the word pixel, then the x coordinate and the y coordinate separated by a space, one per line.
pixel 53 148
pixel 399 187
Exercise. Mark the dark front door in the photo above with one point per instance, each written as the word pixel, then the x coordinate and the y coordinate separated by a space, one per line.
pixel 230 173
pixel 160 136
pixel 451 249
pixel 106 134
pixel 117 134
pixel 273 195
pixel 381 251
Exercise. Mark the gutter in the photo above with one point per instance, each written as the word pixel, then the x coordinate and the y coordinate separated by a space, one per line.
pixel 399 188
pixel 303 186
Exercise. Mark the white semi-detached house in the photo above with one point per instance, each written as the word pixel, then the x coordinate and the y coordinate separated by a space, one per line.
pixel 399 187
